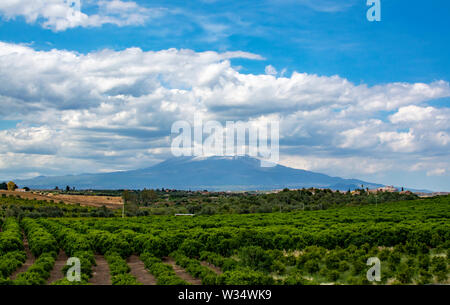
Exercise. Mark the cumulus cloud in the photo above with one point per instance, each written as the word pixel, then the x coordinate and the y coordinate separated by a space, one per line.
pixel 114 110
pixel 60 15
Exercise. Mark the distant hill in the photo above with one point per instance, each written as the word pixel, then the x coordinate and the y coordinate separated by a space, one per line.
pixel 194 173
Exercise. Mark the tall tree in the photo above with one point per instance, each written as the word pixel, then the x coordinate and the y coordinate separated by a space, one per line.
pixel 11 186
pixel 148 196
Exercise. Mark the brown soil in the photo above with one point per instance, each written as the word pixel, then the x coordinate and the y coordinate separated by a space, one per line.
pixel 139 272
pixel 100 275
pixel 94 201
pixel 56 273
pixel 216 269
pixel 180 272
pixel 30 259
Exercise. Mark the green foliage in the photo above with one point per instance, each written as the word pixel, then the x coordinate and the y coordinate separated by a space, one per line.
pixel 164 273
pixel 74 244
pixel 256 258
pixel 246 276
pixel 225 263
pixel 124 279
pixel 439 268
pixel 192 247
pixel 10 262
pixel 119 270
pixel 312 266
pixel 411 238
pixel 296 279
pixel 404 273
pixel 10 237
pixel 243 203
pixel 104 241
pixel 39 272
pixel 196 269
pixel 39 240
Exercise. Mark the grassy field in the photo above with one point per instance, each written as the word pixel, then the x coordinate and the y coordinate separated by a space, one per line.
pixel 113 202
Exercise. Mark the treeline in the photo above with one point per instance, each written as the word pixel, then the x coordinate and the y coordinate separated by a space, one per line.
pixel 146 202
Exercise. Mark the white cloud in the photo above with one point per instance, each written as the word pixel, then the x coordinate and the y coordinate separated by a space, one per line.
pixel 328 6
pixel 60 15
pixel 347 166
pixel 114 109
pixel 413 114
pixel 436 172
pixel 270 70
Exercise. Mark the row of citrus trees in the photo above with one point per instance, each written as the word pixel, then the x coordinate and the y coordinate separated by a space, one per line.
pixel 411 238
pixel 375 228
pixel 330 245
pixel 45 239
pixel 42 245
pixel 12 254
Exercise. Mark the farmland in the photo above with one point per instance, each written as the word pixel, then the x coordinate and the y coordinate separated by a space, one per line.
pixel 411 238
pixel 112 202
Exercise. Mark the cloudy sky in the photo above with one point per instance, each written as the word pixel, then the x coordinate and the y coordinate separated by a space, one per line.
pixel 97 89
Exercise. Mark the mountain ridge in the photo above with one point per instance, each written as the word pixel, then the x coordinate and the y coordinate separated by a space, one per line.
pixel 193 173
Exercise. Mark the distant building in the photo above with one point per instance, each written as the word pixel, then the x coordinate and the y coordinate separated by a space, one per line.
pixel 390 189
pixel 406 192
pixel 20 190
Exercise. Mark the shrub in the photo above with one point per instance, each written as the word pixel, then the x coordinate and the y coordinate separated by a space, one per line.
pixel 404 274
pixel 39 240
pixel 225 263
pixel 256 258
pixel 191 247
pixel 39 272
pixel 10 262
pixel 312 266
pixel 196 269
pixel 296 279
pixel 124 279
pixel 164 274
pixel 246 276
pixel 11 237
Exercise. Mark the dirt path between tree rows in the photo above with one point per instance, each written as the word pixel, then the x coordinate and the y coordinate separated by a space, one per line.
pixel 100 275
pixel 56 273
pixel 216 269
pixel 139 272
pixel 30 259
pixel 181 272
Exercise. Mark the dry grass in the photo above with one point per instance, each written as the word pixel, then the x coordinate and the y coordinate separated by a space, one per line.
pixel 94 201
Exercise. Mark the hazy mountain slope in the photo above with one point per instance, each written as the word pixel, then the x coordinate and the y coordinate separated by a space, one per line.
pixel 213 173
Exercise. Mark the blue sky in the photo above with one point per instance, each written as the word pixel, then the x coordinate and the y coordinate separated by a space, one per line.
pixel 390 60
pixel 410 44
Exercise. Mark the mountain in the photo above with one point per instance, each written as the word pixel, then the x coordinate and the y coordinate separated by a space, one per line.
pixel 194 173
